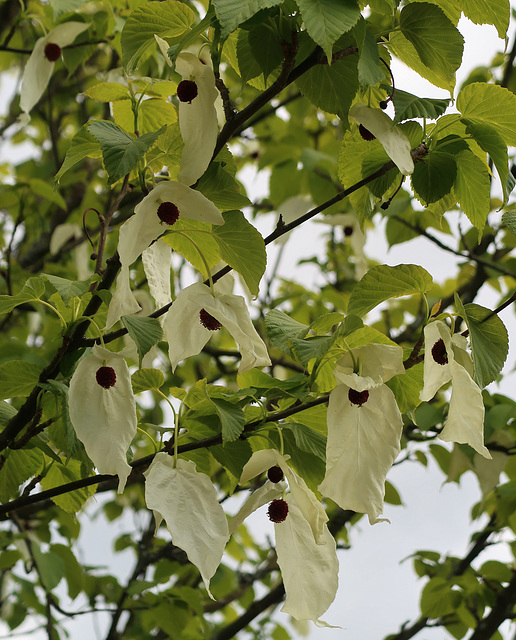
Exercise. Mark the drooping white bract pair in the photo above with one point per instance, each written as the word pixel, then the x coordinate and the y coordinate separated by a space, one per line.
pixel 364 429
pixel 392 139
pixel 40 64
pixel 152 216
pixel 103 411
pixel 446 359
pixel 197 312
pixel 306 549
pixel 187 501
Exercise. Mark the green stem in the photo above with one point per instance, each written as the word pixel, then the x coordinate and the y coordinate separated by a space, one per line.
pixel 63 321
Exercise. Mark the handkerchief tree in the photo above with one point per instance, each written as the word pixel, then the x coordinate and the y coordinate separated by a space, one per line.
pixel 221 389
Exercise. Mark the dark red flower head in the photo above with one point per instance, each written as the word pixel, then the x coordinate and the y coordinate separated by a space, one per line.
pixel 278 510
pixel 52 52
pixel 187 90
pixel 365 133
pixel 106 377
pixel 358 397
pixel 439 353
pixel 208 321
pixel 275 474
pixel 348 230
pixel 168 212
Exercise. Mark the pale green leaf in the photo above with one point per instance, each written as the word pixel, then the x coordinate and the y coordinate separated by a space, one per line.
pixel 73 571
pixel 242 247
pixel 369 72
pixel 473 188
pixel 232 13
pixel 47 191
pixel 145 379
pixel 488 138
pixel 108 92
pixel 7 411
pixel 221 188
pixel 152 115
pixel 67 289
pixel 437 42
pixel 51 567
pixel 383 282
pixel 282 329
pixel 409 106
pixel 509 220
pixel 165 19
pixel 490 104
pixel 32 290
pixel 307 439
pixel 59 474
pixel 311 347
pixel 20 465
pixel 189 237
pixel 406 388
pixel 327 20
pixel 146 332
pixel 495 12
pixel 83 146
pixel 17 378
pixel 120 152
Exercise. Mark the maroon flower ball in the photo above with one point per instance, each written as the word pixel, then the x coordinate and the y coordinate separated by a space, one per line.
pixel 52 52
pixel 348 231
pixel 187 90
pixel 278 510
pixel 439 353
pixel 275 474
pixel 358 397
pixel 168 212
pixel 208 321
pixel 365 133
pixel 106 377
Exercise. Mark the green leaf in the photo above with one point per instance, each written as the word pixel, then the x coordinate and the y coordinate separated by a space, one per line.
pixel 438 598
pixel 509 220
pixel 406 388
pixel 231 418
pixel 473 188
pixel 200 233
pixel 221 188
pixel 145 379
pixel 51 567
pixel 47 191
pixel 67 289
pixel 369 72
pixel 153 114
pixel 265 48
pixel 32 290
pixel 408 106
pixel 20 465
pixel 495 12
pixel 17 378
pixel 73 571
pixel 146 332
pixel 83 145
pixel 490 104
pixel 307 439
pixel 383 282
pixel 232 13
pixel 282 329
pixel 489 342
pixel 311 347
pixel 58 475
pixel 437 42
pixel 492 143
pixel 434 177
pixel 242 247
pixel 120 152
pixel 327 20
pixel 165 19
pixel 7 411
pixel 331 87
pixel 232 455
pixel 108 92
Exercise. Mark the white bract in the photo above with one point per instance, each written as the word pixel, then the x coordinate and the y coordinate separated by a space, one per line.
pixel 197 118
pixel 104 417
pixel 64 233
pixel 187 501
pixel 187 336
pixel 446 359
pixel 145 226
pixel 392 139
pixel 364 429
pixel 306 549
pixel 40 64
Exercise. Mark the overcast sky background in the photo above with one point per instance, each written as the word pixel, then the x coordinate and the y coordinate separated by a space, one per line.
pixel 377 592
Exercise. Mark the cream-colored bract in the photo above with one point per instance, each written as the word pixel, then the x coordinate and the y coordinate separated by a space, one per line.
pixel 187 501
pixel 197 119
pixel 363 442
pixel 392 139
pixel 38 69
pixel 187 336
pixel 144 227
pixel 62 234
pixel 306 549
pixel 465 421
pixel 376 364
pixel 104 419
